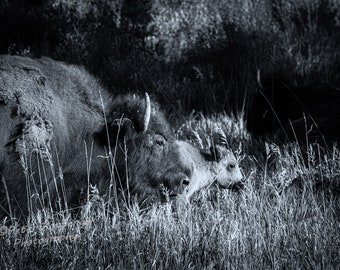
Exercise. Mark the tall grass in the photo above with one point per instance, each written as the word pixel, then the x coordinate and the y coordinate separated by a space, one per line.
pixel 281 220
pixel 287 216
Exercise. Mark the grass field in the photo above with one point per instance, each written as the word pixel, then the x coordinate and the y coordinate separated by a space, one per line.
pixel 198 55
pixel 287 217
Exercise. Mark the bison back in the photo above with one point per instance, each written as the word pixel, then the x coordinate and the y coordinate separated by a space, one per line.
pixel 45 106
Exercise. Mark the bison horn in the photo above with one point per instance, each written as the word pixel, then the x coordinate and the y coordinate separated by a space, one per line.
pixel 147 113
pixel 258 80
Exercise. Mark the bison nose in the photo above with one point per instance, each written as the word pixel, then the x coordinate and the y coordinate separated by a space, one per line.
pixel 180 184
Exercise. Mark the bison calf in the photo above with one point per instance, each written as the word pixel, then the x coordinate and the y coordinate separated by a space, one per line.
pixel 219 165
pixel 61 131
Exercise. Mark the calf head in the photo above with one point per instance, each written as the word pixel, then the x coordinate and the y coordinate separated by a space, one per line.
pixel 224 167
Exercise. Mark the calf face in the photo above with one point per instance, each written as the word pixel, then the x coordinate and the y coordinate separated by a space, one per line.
pixel 218 165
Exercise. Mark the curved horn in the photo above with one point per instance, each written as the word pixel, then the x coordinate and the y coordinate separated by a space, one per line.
pixel 258 80
pixel 147 112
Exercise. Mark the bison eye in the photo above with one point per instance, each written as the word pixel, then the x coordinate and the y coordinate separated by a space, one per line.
pixel 231 166
pixel 159 140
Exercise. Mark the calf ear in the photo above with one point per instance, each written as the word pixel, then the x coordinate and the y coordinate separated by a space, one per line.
pixel 216 153
pixel 212 154
pixel 207 155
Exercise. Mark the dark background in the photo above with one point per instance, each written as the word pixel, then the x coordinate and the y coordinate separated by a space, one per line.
pixel 191 55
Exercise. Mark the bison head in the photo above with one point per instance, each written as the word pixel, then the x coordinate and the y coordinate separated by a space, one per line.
pixel 145 153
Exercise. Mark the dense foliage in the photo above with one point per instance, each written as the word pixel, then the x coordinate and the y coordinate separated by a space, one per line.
pixel 181 50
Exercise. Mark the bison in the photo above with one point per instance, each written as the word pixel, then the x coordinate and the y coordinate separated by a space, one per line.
pixel 217 166
pixel 60 131
pixel 308 113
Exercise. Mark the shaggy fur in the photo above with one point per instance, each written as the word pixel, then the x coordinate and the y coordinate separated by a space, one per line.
pixel 52 113
pixel 221 167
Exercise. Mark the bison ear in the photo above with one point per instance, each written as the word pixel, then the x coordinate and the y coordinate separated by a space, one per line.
pixel 212 154
pixel 122 127
pixel 116 130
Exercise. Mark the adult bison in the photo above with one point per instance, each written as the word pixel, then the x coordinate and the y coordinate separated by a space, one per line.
pixel 56 118
pixel 217 165
pixel 308 113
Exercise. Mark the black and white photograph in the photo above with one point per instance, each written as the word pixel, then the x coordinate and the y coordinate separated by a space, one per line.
pixel 169 134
